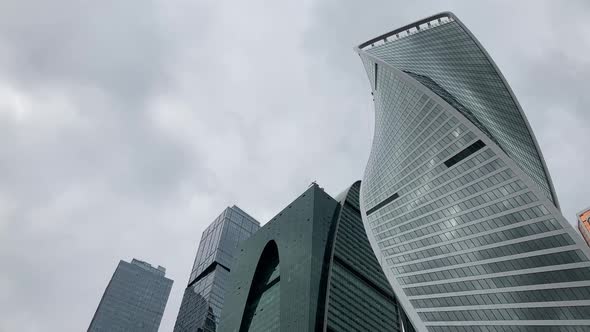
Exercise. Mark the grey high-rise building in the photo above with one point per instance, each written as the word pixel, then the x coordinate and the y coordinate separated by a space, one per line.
pixel 204 296
pixel 134 299
pixel 456 197
pixel 311 268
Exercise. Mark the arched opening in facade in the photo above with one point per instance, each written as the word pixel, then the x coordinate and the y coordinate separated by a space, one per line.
pixel 262 311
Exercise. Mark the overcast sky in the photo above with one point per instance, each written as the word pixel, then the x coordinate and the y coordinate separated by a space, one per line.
pixel 126 127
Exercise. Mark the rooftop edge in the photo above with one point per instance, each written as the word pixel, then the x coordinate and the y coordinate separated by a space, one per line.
pixel 407 29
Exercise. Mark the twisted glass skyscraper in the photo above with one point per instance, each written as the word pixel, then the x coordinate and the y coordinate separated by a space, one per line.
pixel 456 199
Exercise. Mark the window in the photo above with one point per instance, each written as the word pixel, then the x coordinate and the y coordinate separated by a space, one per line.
pixel 376 77
pixel 468 151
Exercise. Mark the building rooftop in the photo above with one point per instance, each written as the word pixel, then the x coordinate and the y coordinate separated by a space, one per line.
pixel 148 267
pixel 410 29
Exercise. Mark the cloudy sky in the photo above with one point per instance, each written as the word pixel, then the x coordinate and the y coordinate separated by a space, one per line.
pixel 126 127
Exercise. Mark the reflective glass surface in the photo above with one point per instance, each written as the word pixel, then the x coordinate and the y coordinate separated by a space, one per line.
pixel 134 299
pixel 311 268
pixel 466 228
pixel 359 296
pixel 449 57
pixel 203 299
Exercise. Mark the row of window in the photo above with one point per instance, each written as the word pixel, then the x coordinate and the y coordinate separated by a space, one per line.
pixel 549 242
pixel 427 120
pixel 465 225
pixel 421 159
pixel 399 94
pixel 430 151
pixel 350 306
pixel 558 258
pixel 434 87
pixel 453 179
pixel 406 133
pixel 526 279
pixel 444 198
pixel 450 188
pixel 488 98
pixel 468 151
pixel 352 245
pixel 510 328
pixel 390 141
pixel 473 202
pixel 539 295
pixel 545 313
pixel 480 241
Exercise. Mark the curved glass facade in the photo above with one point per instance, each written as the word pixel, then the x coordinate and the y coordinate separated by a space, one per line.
pixel 449 56
pixel 329 277
pixel 359 296
pixel 456 201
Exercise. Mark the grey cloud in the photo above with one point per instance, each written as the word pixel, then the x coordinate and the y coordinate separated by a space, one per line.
pixel 119 47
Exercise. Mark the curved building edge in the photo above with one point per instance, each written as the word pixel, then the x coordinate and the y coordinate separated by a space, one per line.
pixel 403 300
pixel 318 284
pixel 360 49
pixel 554 210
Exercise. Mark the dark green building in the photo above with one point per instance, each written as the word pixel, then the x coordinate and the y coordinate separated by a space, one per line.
pixel 311 268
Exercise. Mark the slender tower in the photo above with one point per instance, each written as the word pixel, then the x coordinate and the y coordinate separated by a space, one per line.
pixel 134 299
pixel 456 199
pixel 204 295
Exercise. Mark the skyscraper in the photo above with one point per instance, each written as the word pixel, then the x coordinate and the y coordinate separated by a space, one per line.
pixel 134 299
pixel 456 198
pixel 584 224
pixel 203 297
pixel 311 268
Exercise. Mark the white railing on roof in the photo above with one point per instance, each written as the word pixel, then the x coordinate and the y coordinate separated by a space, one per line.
pixel 411 31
